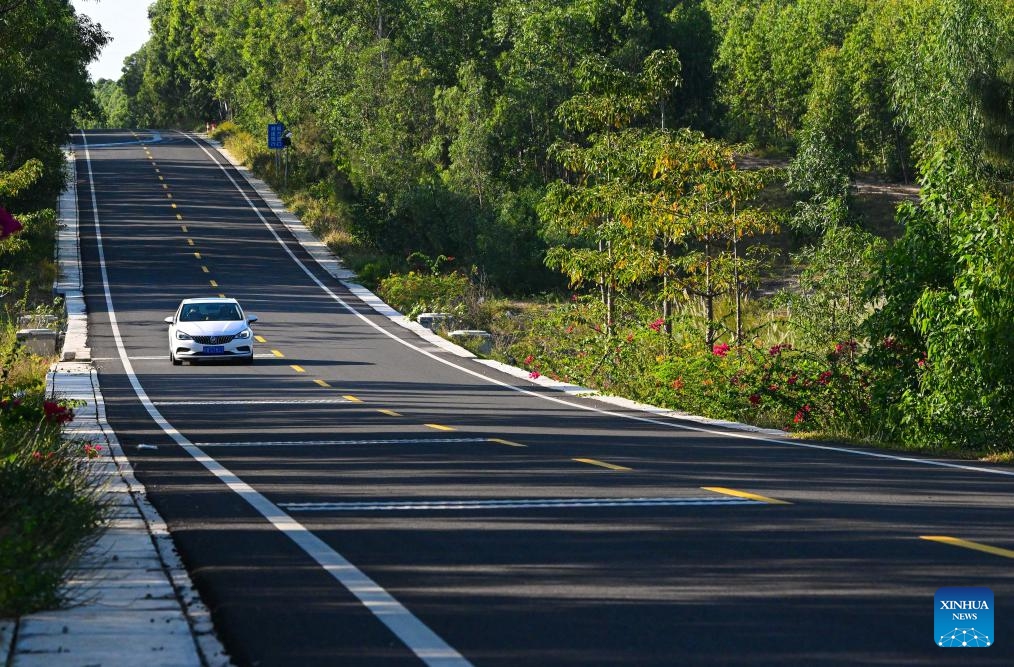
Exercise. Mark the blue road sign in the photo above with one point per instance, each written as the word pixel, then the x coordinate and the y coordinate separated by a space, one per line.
pixel 276 132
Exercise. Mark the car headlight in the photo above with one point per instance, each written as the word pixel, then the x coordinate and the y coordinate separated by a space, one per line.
pixel 183 335
pixel 245 333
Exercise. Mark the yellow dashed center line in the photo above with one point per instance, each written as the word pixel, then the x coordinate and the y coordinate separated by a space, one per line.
pixel 179 217
pixel 221 296
pixel 184 228
pixel 602 464
pixel 352 399
pixel 501 441
pixel 169 195
pixel 259 339
pixel 277 353
pixel 205 269
pixel 173 204
pixel 975 546
pixel 439 427
pixel 389 413
pixel 745 494
pixel 197 255
pixel 165 187
pixel 213 283
pixel 322 383
pixel 298 369
pixel 190 242
pixel 161 178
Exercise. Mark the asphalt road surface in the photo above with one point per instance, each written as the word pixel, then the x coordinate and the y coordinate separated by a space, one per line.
pixel 359 497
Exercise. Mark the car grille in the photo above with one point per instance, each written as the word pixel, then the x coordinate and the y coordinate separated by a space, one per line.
pixel 213 340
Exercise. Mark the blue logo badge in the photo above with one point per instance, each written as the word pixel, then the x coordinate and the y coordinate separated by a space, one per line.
pixel 963 618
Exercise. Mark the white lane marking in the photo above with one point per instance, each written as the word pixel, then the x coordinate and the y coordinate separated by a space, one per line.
pixel 416 636
pixel 589 408
pixel 538 503
pixel 341 443
pixel 323 401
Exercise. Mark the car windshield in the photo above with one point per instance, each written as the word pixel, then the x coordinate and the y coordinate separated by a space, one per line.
pixel 210 312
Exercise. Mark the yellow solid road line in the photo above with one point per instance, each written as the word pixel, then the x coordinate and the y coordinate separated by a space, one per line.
pixel 390 413
pixel 323 384
pixel 976 546
pixel 352 399
pixel 259 339
pixel 438 427
pixel 501 441
pixel 277 353
pixel 745 494
pixel 298 369
pixel 602 464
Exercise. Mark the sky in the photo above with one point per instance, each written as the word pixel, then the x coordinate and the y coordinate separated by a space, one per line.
pixel 126 21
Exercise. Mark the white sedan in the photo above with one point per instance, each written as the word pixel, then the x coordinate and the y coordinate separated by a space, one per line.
pixel 211 328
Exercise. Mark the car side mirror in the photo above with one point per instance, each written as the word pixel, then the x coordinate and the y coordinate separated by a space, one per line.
pixel 168 320
pixel 250 319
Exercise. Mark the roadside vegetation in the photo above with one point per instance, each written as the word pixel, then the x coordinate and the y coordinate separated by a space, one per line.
pixel 50 504
pixel 664 199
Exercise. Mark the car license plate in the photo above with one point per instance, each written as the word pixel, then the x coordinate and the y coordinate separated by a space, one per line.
pixel 214 349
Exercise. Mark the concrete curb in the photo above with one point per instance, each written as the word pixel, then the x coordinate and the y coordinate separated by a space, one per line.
pixel 68 261
pixel 323 256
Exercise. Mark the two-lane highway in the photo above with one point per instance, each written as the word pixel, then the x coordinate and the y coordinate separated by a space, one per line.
pixel 357 496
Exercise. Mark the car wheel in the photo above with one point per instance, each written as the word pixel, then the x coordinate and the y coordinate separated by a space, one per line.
pixel 176 362
pixel 246 360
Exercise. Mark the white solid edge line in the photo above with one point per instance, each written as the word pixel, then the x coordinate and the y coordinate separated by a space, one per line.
pixel 416 636
pixel 590 408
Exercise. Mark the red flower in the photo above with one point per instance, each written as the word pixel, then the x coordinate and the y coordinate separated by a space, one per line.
pixel 8 224
pixel 570 329
pixel 773 388
pixel 799 417
pixel 921 363
pixel 793 379
pixel 535 375
pixel 755 399
pixel 529 359
pixel 657 324
pixel 54 412
pixel 630 338
pixel 825 378
pixel 778 349
pixel 677 384
pixel 720 350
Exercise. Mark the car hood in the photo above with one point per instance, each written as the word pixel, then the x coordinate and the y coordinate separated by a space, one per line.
pixel 212 328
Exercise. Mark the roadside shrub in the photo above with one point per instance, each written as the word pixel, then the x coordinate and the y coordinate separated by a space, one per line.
pixel 49 502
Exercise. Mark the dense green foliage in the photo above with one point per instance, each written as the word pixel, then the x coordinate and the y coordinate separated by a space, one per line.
pixel 599 140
